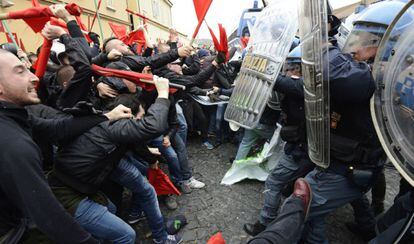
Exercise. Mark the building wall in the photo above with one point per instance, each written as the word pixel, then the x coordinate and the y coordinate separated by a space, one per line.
pixel 110 11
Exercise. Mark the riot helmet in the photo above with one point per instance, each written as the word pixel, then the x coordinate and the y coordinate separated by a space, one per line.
pixel 369 28
pixel 292 65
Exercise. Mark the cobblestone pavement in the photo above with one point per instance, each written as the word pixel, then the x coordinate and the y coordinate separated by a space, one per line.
pixel 227 208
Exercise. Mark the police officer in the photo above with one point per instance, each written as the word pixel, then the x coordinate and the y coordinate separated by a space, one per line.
pixel 354 146
pixel 295 161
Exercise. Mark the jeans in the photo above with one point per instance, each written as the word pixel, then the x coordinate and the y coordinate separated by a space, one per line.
pixel 172 158
pixel 330 191
pixel 250 137
pixel 217 122
pixel 287 227
pixel 290 167
pixel 182 129
pixel 102 223
pixel 144 196
pixel 179 147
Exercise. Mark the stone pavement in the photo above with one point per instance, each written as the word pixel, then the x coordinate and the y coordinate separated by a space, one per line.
pixel 227 208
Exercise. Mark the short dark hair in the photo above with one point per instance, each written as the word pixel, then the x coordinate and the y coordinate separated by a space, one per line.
pixel 128 100
pixel 106 43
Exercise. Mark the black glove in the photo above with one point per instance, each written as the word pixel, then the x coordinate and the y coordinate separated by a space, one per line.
pixel 82 108
pixel 221 58
pixel 95 38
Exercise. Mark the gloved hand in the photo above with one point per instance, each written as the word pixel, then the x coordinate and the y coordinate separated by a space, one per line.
pixel 221 58
pixel 95 38
pixel 82 108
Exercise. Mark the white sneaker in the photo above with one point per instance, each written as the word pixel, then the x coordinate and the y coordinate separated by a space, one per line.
pixel 193 183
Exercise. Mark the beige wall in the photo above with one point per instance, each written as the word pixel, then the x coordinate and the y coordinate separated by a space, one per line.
pixel 115 13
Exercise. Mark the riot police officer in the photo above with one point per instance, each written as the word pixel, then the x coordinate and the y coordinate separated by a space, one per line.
pixel 295 162
pixel 354 146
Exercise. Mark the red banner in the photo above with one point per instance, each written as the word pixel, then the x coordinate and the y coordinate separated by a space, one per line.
pixel 201 8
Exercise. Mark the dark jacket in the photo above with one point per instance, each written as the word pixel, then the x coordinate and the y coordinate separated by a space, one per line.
pixel 24 191
pixel 86 162
pixel 137 63
pixel 351 85
pixel 186 80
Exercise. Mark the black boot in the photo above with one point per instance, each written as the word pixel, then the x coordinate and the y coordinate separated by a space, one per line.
pixel 254 229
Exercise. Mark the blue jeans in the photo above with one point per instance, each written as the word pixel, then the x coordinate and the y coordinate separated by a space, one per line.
pixel 250 137
pixel 172 158
pixel 329 192
pixel 182 154
pixel 183 128
pixel 102 223
pixel 144 196
pixel 290 167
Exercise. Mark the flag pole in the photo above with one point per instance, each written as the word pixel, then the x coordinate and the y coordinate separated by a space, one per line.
pixel 99 19
pixel 6 26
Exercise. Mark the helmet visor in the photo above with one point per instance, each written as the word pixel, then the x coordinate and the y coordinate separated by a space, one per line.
pixel 364 38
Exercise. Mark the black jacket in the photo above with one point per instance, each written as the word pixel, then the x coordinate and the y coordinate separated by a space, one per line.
pixel 24 191
pixel 86 162
pixel 137 63
pixel 186 80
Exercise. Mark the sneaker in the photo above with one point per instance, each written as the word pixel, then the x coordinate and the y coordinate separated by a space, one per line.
pixel 171 239
pixel 171 202
pixel 208 145
pixel 132 219
pixel 254 229
pixel 185 188
pixel 195 184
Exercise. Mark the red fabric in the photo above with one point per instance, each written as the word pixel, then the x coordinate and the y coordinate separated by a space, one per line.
pixel 222 45
pixel 217 239
pixel 161 183
pixel 22 45
pixel 35 3
pixel 2 27
pixel 96 14
pixel 201 8
pixel 37 17
pixel 134 36
pixel 118 30
pixel 41 62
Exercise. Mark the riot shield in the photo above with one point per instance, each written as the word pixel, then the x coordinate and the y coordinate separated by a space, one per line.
pixel 268 47
pixel 392 107
pixel 314 42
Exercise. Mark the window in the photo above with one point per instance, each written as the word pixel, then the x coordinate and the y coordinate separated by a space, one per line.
pixel 155 9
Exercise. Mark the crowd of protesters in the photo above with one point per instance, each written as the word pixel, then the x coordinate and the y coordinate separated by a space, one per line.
pixel 74 141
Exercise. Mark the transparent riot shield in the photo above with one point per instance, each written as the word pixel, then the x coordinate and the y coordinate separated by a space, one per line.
pixel 392 106
pixel 314 42
pixel 269 44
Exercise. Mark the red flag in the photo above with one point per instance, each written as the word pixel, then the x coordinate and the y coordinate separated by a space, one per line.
pixel 201 7
pixel 22 45
pixel 221 46
pixel 136 36
pixel 162 184
pixel 37 17
pixel 118 30
pixel 217 239
pixel 41 62
pixel 2 27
